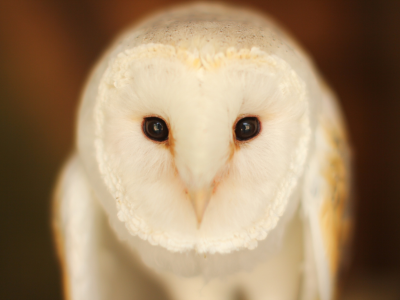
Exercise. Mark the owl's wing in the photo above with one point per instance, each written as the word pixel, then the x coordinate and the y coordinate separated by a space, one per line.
pixel 326 201
pixel 74 221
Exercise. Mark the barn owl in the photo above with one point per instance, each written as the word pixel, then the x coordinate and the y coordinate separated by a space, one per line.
pixel 211 162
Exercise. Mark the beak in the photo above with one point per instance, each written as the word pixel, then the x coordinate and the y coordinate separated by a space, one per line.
pixel 200 199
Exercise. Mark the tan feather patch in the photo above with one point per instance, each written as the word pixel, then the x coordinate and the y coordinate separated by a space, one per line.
pixel 59 236
pixel 335 219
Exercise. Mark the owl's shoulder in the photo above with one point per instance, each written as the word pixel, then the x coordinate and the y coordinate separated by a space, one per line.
pixel 327 194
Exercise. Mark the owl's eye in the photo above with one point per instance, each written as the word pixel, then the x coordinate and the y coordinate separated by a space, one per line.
pixel 155 129
pixel 247 128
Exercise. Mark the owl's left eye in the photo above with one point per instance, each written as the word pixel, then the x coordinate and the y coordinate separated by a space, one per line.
pixel 155 129
pixel 247 128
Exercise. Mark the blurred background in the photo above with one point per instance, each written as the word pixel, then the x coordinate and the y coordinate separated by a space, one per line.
pixel 47 48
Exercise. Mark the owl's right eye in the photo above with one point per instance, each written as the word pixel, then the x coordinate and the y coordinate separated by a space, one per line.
pixel 155 129
pixel 247 128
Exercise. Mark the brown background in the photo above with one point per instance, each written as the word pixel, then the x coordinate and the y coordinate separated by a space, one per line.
pixel 46 50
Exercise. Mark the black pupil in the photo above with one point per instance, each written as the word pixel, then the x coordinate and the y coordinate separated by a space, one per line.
pixel 247 128
pixel 155 129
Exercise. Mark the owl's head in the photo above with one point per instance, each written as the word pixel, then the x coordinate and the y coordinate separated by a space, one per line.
pixel 195 128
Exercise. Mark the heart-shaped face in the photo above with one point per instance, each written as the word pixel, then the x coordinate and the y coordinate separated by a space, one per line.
pixel 200 152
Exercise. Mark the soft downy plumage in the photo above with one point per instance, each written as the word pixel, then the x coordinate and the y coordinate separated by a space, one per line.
pixel 268 215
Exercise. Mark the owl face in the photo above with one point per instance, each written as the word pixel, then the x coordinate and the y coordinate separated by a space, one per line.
pixel 200 152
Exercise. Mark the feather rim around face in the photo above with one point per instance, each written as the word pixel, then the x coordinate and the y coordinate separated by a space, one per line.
pixel 246 237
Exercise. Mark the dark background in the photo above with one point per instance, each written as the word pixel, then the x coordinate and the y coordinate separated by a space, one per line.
pixel 46 50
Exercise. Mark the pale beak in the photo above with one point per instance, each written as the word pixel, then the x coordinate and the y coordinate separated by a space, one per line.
pixel 200 199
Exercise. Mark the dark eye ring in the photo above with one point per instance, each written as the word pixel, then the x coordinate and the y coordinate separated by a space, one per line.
pixel 247 128
pixel 155 129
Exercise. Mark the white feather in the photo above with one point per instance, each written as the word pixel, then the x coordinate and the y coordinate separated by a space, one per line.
pixel 201 68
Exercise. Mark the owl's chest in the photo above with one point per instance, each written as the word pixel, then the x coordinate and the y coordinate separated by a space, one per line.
pixel 279 277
